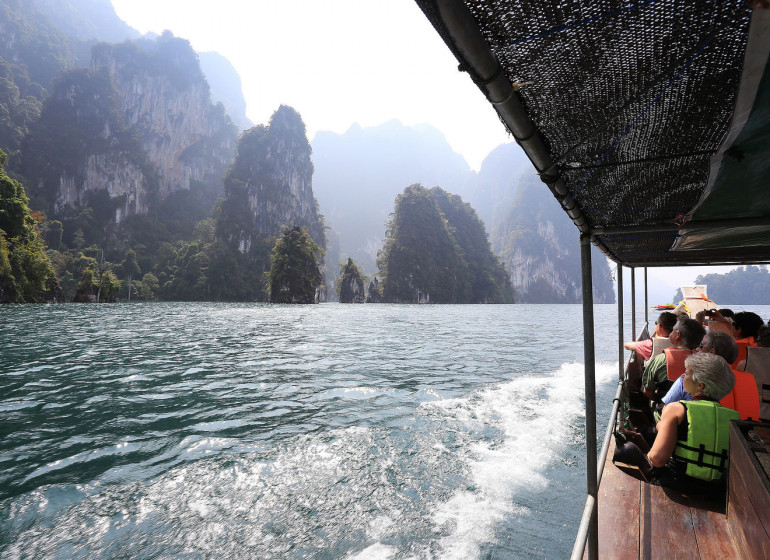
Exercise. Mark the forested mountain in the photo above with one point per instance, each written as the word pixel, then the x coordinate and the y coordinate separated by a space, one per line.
pixel 539 246
pixel 359 173
pixel 26 274
pixel 437 251
pixel 33 52
pixel 122 148
pixel 745 285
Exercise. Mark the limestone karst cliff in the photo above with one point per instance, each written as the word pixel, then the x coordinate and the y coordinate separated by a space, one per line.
pixel 268 189
pixel 139 124
pixel 269 185
pixel 350 284
pixel 539 247
pixel 436 251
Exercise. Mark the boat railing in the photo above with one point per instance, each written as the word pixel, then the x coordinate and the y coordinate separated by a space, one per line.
pixel 589 529
pixel 582 536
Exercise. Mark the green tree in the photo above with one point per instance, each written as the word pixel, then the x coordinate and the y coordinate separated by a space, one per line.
pixel 53 234
pixel 130 268
pixel 294 275
pixel 86 288
pixel 109 286
pixel 26 274
pixel 421 261
pixel 148 286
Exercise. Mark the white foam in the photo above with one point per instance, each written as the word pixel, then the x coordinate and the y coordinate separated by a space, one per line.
pixel 377 551
pixel 537 417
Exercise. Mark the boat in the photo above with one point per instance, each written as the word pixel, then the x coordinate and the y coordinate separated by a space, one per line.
pixel 649 122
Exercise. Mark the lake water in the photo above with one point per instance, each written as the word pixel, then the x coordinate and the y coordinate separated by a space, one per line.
pixel 187 430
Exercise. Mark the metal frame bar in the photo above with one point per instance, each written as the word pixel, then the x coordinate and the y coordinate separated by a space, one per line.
pixel 588 531
pixel 591 501
pixel 646 302
pixel 731 223
pixel 633 303
pixel 621 348
pixel 589 359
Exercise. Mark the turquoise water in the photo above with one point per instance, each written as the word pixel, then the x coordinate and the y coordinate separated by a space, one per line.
pixel 192 430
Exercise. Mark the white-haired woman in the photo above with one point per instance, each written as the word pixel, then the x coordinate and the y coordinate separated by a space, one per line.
pixel 691 450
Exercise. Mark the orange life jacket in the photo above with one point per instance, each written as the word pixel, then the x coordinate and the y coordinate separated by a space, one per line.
pixel 744 397
pixel 742 345
pixel 675 358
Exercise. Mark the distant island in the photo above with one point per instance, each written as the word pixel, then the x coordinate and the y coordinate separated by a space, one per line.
pixel 745 285
pixel 437 251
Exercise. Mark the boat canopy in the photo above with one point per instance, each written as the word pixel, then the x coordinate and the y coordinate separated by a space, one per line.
pixel 649 121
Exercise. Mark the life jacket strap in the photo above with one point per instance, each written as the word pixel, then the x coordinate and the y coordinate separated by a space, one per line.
pixel 702 452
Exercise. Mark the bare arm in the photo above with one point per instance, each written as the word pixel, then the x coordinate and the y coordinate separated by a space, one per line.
pixel 630 346
pixel 665 442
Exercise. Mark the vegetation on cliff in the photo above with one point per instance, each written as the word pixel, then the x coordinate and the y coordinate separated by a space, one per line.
pixel 294 275
pixel 267 188
pixel 350 284
pixel 429 254
pixel 26 274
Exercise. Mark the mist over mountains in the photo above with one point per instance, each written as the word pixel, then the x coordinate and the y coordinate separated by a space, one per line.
pixel 122 140
pixel 358 174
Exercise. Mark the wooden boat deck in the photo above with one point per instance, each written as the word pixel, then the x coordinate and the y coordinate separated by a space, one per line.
pixel 638 520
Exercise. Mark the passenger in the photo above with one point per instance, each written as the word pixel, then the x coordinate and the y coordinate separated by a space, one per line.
pixel 718 315
pixel 763 337
pixel 663 327
pixel 727 313
pixel 746 326
pixel 719 343
pixel 763 341
pixel 687 333
pixel 691 451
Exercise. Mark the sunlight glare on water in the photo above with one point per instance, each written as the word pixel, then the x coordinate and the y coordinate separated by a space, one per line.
pixel 264 431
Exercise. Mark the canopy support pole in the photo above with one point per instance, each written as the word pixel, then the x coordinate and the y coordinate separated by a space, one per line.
pixel 633 303
pixel 590 393
pixel 621 348
pixel 646 301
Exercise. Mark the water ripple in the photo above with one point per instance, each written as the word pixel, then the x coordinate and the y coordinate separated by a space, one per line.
pixel 266 431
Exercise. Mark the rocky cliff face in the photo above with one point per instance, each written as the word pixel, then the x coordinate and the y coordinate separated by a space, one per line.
pixel 270 186
pixel 351 284
pixel 164 97
pixel 139 124
pixel 539 247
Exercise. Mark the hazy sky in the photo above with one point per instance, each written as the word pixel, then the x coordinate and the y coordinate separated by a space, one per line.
pixel 337 62
pixel 340 62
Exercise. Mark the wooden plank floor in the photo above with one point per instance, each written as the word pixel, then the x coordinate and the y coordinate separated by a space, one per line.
pixel 638 520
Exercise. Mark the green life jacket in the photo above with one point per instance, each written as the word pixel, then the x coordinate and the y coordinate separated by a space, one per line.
pixel 706 450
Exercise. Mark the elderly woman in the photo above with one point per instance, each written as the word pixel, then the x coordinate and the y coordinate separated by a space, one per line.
pixel 690 452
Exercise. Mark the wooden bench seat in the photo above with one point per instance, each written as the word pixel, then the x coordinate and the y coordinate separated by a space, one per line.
pixel 639 520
